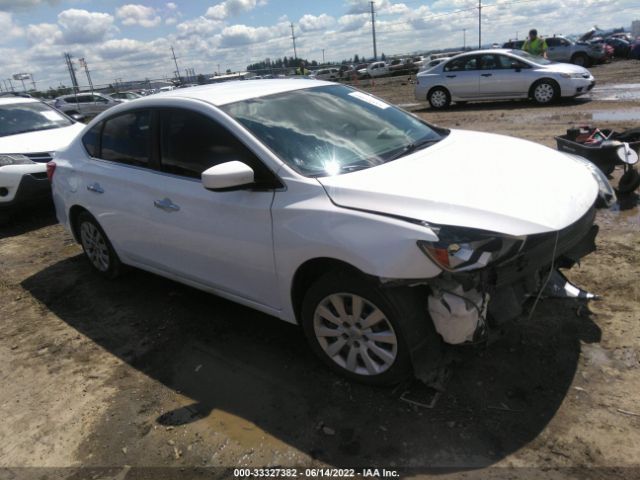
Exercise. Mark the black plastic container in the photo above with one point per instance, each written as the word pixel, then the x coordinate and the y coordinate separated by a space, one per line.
pixel 603 156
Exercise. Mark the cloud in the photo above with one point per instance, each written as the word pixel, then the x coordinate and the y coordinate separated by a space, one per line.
pixel 8 28
pixel 81 26
pixel 171 13
pixel 141 15
pixel 48 33
pixel 231 8
pixel 199 26
pixel 311 23
pixel 351 22
pixel 12 5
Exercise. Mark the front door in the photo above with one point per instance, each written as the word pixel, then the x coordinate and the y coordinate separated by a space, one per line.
pixel 220 239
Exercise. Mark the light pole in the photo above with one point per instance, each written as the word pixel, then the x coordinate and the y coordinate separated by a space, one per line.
pixel 464 39
pixel 323 56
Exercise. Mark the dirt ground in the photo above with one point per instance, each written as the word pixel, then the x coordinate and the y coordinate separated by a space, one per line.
pixel 146 378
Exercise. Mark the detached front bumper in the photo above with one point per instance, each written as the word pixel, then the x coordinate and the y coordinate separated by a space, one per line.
pixel 498 294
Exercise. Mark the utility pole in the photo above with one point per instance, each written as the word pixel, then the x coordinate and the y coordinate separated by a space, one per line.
pixel 72 72
pixel 479 23
pixel 323 56
pixel 176 62
pixel 464 39
pixel 86 71
pixel 293 37
pixel 373 31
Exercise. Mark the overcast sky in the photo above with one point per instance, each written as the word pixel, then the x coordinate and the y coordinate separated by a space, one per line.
pixel 126 40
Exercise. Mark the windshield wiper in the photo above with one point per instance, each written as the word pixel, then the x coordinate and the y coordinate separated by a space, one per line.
pixel 412 147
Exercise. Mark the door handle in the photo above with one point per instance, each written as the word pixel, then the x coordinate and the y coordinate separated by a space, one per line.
pixel 166 204
pixel 487 74
pixel 95 188
pixel 451 76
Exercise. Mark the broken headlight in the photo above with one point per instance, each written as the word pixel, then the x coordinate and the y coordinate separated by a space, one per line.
pixel 606 194
pixel 460 249
pixel 14 159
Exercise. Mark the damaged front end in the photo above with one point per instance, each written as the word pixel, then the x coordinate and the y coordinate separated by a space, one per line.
pixel 487 278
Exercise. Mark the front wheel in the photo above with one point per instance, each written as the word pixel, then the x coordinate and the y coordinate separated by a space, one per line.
pixel 97 247
pixel 544 92
pixel 356 328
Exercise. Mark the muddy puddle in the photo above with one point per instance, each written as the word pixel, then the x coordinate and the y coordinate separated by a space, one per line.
pixel 619 92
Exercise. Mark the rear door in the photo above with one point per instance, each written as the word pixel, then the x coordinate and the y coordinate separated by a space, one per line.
pixel 462 76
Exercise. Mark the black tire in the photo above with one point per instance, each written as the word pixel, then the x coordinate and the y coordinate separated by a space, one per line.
pixel 545 92
pixel 439 98
pixel 401 319
pixel 629 181
pixel 581 59
pixel 97 247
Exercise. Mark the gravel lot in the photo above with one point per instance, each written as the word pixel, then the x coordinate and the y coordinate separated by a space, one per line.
pixel 101 377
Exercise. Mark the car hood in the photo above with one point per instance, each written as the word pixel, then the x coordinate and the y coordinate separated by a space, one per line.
pixel 475 180
pixel 560 67
pixel 40 141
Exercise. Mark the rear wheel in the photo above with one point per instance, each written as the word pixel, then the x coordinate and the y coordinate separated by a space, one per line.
pixel 439 98
pixel 544 92
pixel 97 247
pixel 356 328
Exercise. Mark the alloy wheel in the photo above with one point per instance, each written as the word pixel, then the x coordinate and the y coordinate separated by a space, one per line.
pixel 355 334
pixel 95 246
pixel 544 93
pixel 438 99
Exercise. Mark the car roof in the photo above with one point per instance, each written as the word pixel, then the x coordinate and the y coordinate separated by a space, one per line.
pixel 12 100
pixel 237 90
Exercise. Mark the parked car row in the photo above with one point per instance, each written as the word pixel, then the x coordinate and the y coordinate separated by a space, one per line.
pixel 564 49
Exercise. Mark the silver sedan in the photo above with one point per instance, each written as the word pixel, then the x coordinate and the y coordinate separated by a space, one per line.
pixel 500 74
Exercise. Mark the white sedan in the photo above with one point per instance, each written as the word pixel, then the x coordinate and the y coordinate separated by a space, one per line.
pixel 500 74
pixel 30 133
pixel 382 235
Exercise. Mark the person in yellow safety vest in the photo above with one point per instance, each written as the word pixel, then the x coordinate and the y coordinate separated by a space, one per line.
pixel 301 70
pixel 535 45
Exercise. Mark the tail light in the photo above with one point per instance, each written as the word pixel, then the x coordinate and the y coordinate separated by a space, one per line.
pixel 51 168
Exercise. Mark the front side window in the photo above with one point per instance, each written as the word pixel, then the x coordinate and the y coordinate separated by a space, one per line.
pixel 29 117
pixel 127 138
pixel 191 143
pixel 333 129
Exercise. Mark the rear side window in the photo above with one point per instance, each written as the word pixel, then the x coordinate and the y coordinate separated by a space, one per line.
pixel 191 143
pixel 127 138
pixel 91 140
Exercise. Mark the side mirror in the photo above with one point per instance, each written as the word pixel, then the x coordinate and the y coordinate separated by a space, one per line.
pixel 78 117
pixel 228 175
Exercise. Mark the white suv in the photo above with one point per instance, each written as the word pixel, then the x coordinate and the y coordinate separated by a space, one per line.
pixel 30 133
pixel 382 235
pixel 85 103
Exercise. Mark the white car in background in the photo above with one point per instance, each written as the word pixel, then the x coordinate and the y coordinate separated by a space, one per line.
pixel 500 74
pixel 86 103
pixel 30 134
pixel 382 235
pixel 373 70
pixel 326 74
